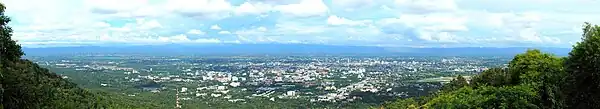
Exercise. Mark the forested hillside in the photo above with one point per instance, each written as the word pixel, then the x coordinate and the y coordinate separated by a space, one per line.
pixel 25 85
pixel 532 80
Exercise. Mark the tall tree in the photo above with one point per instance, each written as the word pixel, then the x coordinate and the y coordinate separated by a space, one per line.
pixel 583 67
pixel 529 67
pixel 491 77
pixel 456 83
pixel 543 72
pixel 9 50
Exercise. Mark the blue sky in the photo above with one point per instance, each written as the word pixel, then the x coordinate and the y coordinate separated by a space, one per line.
pixel 403 23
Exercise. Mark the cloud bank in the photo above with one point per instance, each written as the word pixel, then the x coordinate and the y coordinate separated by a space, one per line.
pixel 407 23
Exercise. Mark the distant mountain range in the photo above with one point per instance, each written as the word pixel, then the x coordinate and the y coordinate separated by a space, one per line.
pixel 283 49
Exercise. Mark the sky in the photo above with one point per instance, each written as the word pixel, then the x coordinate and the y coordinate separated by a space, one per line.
pixel 393 23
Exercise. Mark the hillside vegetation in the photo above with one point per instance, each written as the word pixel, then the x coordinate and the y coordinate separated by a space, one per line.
pixel 533 80
pixel 26 85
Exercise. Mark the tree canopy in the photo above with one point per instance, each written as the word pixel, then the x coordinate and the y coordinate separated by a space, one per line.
pixel 456 83
pixel 492 77
pixel 532 80
pixel 583 67
pixel 9 49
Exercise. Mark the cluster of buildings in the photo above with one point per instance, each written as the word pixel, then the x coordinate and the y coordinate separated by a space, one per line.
pixel 315 79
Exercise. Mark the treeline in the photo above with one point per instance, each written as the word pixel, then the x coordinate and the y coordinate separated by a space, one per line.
pixel 533 80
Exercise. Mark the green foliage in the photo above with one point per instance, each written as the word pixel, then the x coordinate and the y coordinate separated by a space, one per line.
pixel 529 67
pixel 532 80
pixel 26 85
pixel 1 88
pixel 492 77
pixel 403 104
pixel 9 49
pixel 510 97
pixel 542 71
pixel 456 83
pixel 583 70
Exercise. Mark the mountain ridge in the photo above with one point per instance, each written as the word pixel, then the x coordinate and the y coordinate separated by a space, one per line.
pixel 286 49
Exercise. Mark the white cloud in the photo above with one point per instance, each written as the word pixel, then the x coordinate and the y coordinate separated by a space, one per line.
pixel 252 9
pixel 184 39
pixel 306 8
pixel 105 39
pixel 139 25
pixel 444 37
pixel 428 28
pixel 297 28
pixel 465 22
pixel 426 6
pixel 335 20
pixel 261 29
pixel 283 32
pixel 433 19
pixel 235 41
pixel 214 9
pixel 278 2
pixel 124 9
pixel 176 38
pixel 520 20
pixel 351 5
pixel 518 27
pixel 212 40
pixel 224 32
pixel 147 11
pixel 196 32
pixel 215 27
pixel 447 28
pixel 101 24
pixel 145 25
pixel 265 39
pixel 552 40
pixel 120 29
pixel 114 6
pixel 529 35
pixel 430 22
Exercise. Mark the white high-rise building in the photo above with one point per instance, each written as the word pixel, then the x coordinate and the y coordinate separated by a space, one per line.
pixel 183 89
pixel 291 93
pixel 234 78
pixel 234 84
